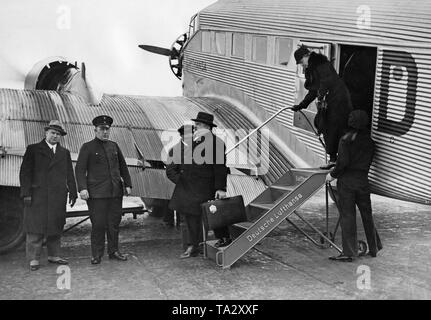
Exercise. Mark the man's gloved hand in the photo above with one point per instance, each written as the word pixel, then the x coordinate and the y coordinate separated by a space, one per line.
pixel 72 201
pixel 296 107
pixel 84 194
pixel 27 201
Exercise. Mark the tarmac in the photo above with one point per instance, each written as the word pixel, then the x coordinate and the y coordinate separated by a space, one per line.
pixel 284 266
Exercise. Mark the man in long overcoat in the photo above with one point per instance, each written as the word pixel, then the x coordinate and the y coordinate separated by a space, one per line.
pixel 200 177
pixel 323 83
pixel 46 178
pixel 103 179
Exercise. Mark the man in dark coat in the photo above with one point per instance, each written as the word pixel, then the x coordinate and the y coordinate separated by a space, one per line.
pixel 334 103
pixel 200 177
pixel 46 177
pixel 355 154
pixel 176 156
pixel 102 174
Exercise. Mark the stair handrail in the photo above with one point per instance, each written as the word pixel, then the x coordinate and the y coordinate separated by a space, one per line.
pixel 256 129
pixel 314 130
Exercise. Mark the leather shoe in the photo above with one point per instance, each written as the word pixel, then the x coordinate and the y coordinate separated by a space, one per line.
pixel 34 267
pixel 190 252
pixel 341 258
pixel 372 254
pixel 58 261
pixel 117 256
pixel 96 260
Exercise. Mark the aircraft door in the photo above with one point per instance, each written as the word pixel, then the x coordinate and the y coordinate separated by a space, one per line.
pixel 300 91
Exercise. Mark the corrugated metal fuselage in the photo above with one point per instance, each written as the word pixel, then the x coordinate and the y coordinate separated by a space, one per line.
pixel 237 52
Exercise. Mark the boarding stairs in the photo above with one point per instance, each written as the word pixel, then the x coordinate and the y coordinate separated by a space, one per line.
pixel 268 210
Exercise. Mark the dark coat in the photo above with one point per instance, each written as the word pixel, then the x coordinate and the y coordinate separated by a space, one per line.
pixel 102 170
pixel 197 181
pixel 322 81
pixel 47 179
pixel 355 155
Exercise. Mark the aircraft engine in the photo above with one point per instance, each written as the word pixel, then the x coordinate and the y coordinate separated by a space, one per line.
pixel 58 74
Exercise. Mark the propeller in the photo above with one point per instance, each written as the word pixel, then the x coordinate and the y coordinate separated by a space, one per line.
pixel 175 53
pixel 157 50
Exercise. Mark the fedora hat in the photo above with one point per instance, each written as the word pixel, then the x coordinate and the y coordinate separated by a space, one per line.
pixel 103 121
pixel 56 125
pixel 206 118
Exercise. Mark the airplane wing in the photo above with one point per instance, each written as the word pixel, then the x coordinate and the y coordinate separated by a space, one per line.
pixel 144 128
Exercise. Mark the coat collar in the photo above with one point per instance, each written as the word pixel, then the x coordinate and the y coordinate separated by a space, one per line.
pixel 43 147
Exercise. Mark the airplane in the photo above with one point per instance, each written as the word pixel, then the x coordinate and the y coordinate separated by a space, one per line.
pixel 236 61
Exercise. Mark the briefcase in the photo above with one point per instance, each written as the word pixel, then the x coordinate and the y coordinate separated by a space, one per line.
pixel 223 212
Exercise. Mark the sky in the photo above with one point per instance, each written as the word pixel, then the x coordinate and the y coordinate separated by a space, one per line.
pixel 103 34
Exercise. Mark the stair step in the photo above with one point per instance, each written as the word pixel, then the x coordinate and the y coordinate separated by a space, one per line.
pixel 243 225
pixel 283 188
pixel 265 206
pixel 269 213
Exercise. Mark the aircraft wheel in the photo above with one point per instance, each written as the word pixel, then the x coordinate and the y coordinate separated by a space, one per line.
pixel 11 219
pixel 362 247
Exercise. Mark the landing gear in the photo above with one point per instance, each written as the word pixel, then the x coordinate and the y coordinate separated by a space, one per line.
pixel 11 219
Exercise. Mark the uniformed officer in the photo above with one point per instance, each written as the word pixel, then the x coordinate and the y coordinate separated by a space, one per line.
pixel 355 154
pixel 102 175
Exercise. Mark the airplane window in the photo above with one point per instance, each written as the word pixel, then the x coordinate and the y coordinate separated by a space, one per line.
pixel 238 43
pixel 284 50
pixel 220 38
pixel 206 41
pixel 259 49
pixel 196 42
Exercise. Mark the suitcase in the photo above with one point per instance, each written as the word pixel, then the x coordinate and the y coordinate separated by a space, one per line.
pixel 223 212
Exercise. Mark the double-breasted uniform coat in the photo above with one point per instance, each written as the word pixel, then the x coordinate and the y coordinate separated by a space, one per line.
pixel 102 170
pixel 47 178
